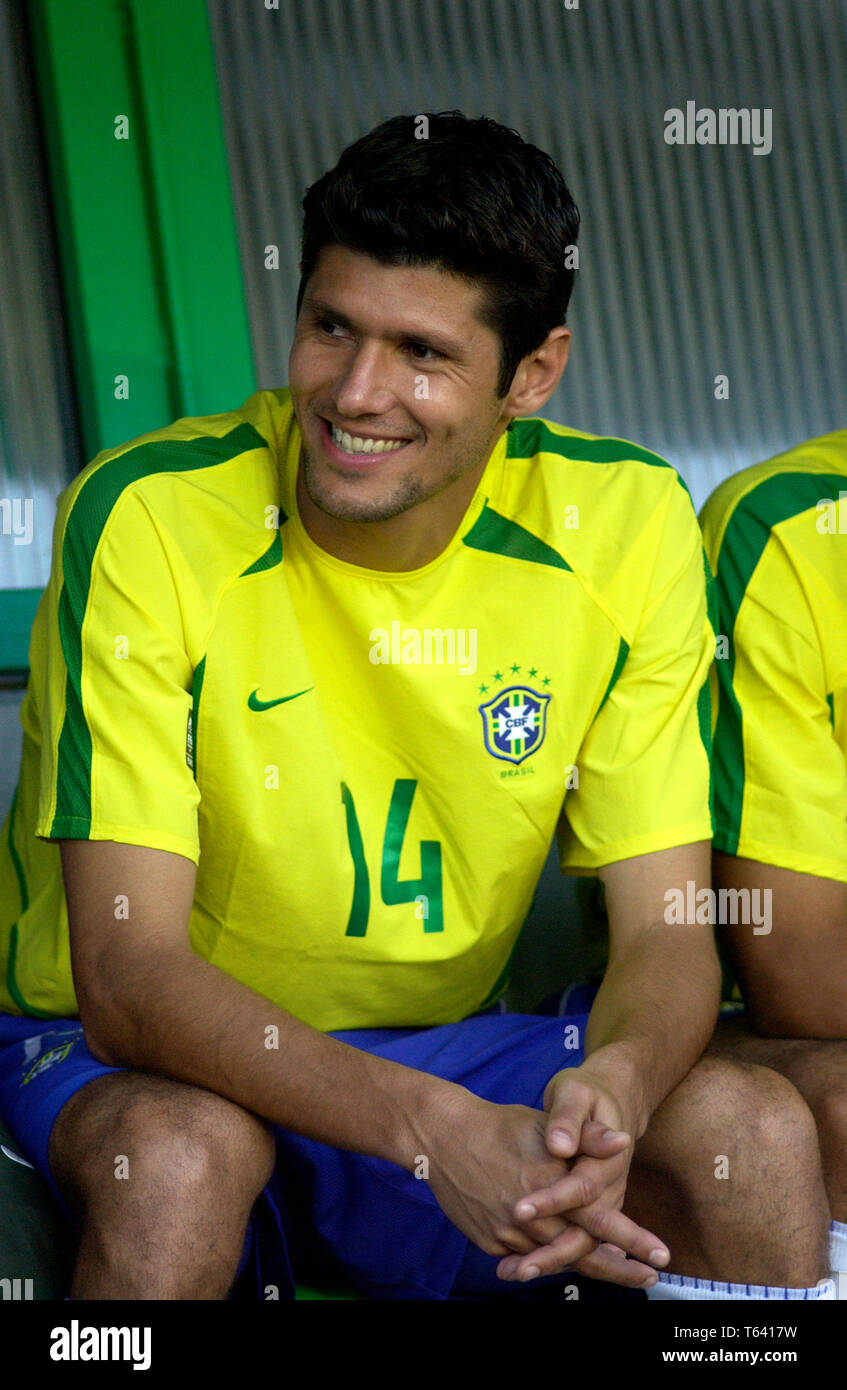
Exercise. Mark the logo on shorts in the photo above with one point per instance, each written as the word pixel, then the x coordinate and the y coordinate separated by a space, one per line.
pixel 514 722
pixel 48 1059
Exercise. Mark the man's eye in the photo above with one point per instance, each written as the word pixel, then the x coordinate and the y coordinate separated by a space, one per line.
pixel 423 347
pixel 327 325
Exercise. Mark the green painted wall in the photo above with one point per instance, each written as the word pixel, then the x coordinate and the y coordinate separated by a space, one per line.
pixel 148 249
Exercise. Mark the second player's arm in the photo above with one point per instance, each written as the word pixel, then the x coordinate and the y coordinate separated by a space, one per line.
pixel 793 969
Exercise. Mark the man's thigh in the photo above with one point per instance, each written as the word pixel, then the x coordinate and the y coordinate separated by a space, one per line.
pixel 813 1065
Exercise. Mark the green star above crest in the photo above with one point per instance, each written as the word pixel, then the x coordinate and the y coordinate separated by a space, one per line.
pixel 514 670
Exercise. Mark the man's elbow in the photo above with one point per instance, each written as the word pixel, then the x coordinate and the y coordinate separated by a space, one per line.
pixel 107 1024
pixel 98 1049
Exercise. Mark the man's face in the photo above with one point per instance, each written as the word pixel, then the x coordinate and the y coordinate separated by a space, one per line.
pixel 391 353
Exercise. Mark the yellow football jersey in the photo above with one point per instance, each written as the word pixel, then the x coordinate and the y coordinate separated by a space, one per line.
pixel 367 767
pixel 776 538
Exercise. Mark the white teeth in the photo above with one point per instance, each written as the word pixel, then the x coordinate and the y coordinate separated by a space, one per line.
pixel 354 444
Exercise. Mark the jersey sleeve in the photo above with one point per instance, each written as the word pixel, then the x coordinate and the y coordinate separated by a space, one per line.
pixel 118 682
pixel 643 769
pixel 780 775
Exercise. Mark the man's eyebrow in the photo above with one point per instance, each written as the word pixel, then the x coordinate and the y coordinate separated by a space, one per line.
pixel 449 346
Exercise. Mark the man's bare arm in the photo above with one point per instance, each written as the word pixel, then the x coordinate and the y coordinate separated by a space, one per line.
pixel 652 1018
pixel 148 1001
pixel 794 976
pixel 657 1006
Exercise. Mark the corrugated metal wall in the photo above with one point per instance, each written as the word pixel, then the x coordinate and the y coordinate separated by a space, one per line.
pixel 38 433
pixel 695 261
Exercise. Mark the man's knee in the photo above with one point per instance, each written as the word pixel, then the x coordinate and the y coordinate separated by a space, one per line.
pixel 130 1134
pixel 733 1120
pixel 817 1069
pixel 729 1173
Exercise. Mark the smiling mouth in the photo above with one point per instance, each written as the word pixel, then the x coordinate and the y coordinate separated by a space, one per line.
pixel 363 445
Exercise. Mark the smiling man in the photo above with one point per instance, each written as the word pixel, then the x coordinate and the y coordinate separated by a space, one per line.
pixel 407 465
pixel 260 895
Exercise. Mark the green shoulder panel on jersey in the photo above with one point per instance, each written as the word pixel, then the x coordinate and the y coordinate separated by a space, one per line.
pixel 533 435
pixel 824 456
pixel 273 554
pixel 496 533
pixel 775 500
pixel 88 516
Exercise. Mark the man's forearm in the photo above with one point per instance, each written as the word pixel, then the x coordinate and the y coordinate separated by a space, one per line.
pixel 653 1016
pixel 186 1019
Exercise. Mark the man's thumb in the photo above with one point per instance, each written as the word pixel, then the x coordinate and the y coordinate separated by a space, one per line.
pixel 562 1133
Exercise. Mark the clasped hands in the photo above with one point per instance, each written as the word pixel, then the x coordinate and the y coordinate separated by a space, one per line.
pixel 584 1228
pixel 571 1162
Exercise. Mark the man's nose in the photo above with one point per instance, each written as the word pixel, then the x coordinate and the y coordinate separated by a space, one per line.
pixel 363 387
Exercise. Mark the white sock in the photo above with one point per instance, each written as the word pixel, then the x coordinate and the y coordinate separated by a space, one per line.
pixel 680 1286
pixel 838 1258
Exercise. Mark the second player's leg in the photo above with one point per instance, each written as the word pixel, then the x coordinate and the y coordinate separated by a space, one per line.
pixel 161 1177
pixel 818 1069
pixel 728 1174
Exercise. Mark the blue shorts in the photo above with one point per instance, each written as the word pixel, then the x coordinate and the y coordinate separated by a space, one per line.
pixel 325 1209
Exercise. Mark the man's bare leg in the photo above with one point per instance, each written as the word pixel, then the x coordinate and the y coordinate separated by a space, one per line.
pixel 818 1069
pixel 729 1175
pixel 161 1177
pixel 174 1227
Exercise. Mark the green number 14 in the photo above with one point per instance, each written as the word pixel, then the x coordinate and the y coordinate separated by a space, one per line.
pixel 425 890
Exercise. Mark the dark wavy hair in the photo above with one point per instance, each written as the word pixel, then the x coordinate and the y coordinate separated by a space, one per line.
pixel 473 198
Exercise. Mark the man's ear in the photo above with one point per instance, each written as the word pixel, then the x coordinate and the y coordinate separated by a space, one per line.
pixel 539 374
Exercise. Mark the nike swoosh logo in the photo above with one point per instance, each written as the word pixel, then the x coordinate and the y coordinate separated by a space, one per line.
pixel 255 703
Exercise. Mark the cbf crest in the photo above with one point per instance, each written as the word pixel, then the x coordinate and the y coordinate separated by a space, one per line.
pixel 514 722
